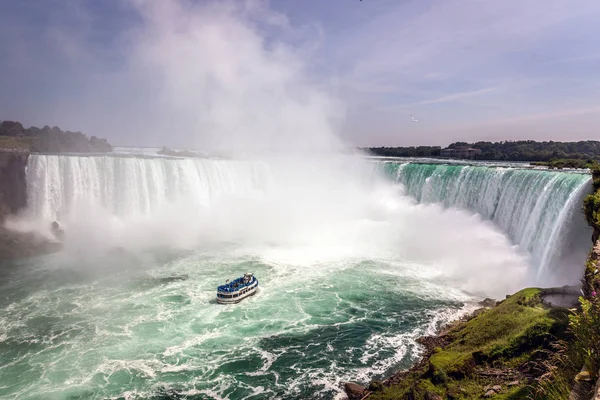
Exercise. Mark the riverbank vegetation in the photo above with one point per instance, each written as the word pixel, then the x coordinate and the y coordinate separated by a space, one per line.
pixel 419 151
pixel 523 348
pixel 501 352
pixel 531 150
pixel 569 163
pixel 521 150
pixel 15 137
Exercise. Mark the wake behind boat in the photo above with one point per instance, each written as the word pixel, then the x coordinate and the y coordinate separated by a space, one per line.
pixel 238 289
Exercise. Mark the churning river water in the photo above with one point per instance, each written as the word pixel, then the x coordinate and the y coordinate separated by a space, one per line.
pixel 350 275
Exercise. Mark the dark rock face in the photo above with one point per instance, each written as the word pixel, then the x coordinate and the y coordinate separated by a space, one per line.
pixel 13 190
pixel 13 198
pixel 17 245
pixel 354 391
pixel 432 396
pixel 488 303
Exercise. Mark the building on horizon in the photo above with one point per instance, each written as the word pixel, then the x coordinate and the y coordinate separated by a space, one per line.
pixel 460 152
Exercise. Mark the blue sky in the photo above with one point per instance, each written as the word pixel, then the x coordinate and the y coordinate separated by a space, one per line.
pixel 467 69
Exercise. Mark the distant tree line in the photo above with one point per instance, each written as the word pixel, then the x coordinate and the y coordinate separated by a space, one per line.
pixel 53 140
pixel 419 151
pixel 523 150
pixel 530 150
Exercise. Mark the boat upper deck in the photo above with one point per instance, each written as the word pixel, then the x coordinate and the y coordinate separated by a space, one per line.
pixel 237 284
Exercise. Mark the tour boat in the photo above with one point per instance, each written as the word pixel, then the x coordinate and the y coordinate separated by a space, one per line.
pixel 238 289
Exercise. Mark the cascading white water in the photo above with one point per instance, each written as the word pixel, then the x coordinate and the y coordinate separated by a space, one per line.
pixel 349 269
pixel 126 186
pixel 536 209
pixel 539 210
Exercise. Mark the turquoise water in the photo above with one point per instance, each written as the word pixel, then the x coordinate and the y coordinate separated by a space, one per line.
pixel 156 332
pixel 537 209
pixel 353 266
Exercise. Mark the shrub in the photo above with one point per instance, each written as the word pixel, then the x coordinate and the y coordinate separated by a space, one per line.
pixel 585 326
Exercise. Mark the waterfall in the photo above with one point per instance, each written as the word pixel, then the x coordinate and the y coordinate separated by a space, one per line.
pixel 538 209
pixel 134 185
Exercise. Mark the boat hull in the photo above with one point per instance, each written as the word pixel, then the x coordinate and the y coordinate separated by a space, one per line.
pixel 235 301
pixel 237 296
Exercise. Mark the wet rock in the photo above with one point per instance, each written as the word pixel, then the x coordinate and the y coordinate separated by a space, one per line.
pixel 488 303
pixel 57 231
pixel 477 312
pixel 497 388
pixel 18 245
pixel 13 194
pixel 513 383
pixel 354 390
pixel 432 396
pixel 489 393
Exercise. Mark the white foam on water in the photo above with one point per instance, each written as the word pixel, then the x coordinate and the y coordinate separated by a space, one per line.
pixel 331 252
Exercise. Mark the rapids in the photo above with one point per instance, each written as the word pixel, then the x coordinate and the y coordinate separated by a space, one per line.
pixel 355 261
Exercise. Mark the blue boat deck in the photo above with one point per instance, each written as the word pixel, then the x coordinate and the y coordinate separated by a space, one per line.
pixel 235 285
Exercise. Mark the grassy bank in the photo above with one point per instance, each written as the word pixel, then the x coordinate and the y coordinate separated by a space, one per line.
pixel 521 349
pixel 585 322
pixel 570 163
pixel 501 352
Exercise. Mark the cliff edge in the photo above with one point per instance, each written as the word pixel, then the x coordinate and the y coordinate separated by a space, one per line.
pixel 13 186
pixel 13 198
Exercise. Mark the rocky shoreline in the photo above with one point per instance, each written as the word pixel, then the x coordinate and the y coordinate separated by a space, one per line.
pixel 530 345
pixel 435 378
pixel 355 391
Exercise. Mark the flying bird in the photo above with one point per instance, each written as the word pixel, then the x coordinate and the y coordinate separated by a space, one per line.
pixel 413 118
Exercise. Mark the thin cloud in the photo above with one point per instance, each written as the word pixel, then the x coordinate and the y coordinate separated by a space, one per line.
pixel 447 98
pixel 548 115
pixel 94 66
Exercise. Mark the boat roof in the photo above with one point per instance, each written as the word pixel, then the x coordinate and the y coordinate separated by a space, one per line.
pixel 229 287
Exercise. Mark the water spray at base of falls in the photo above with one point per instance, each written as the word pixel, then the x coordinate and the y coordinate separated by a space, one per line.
pixel 538 210
pixel 332 209
pixel 354 266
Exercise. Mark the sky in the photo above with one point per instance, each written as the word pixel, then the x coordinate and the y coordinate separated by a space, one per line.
pixel 197 73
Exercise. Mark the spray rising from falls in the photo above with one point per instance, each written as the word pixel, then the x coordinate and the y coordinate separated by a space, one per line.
pixel 539 210
pixel 327 204
pixel 127 186
pixel 350 269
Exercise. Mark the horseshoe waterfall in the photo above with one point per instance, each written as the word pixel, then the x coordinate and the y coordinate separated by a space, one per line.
pixel 356 259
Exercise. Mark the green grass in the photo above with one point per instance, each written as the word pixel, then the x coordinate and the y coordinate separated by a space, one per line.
pixel 503 337
pixel 571 163
pixel 18 143
pixel 507 329
pixel 520 331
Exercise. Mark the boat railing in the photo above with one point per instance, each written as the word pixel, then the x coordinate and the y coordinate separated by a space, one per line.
pixel 240 285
